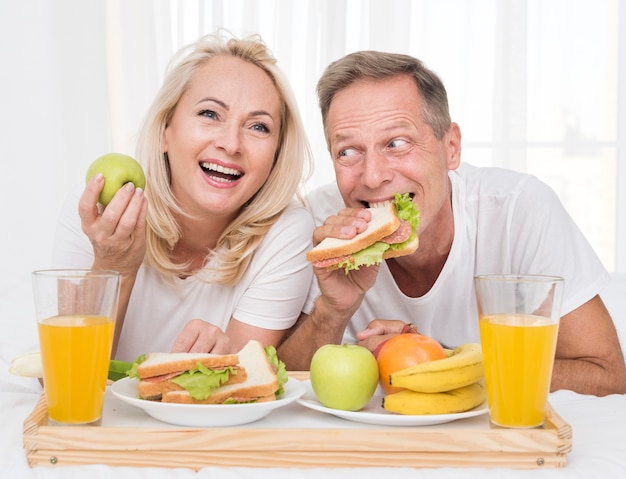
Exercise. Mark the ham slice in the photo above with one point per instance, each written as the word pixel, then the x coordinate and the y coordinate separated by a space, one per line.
pixel 400 235
pixel 325 263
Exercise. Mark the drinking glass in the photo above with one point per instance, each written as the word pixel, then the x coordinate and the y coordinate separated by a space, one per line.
pixel 75 311
pixel 519 321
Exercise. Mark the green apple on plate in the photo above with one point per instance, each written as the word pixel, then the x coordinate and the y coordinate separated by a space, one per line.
pixel 344 376
pixel 117 169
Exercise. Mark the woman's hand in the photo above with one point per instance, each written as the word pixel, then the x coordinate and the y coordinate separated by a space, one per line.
pixel 198 336
pixel 117 232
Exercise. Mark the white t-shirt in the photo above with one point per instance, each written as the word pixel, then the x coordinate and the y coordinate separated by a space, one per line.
pixel 505 222
pixel 269 295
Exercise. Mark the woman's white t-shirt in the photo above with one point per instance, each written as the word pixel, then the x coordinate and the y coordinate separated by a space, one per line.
pixel 269 295
pixel 505 222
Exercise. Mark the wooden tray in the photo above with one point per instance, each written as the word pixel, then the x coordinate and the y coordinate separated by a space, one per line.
pixel 292 436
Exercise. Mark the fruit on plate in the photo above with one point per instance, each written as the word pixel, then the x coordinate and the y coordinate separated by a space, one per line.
pixel 450 385
pixel 448 402
pixel 117 169
pixel 462 367
pixel 344 376
pixel 403 351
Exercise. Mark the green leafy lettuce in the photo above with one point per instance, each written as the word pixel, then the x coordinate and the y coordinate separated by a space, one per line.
pixel 374 254
pixel 279 366
pixel 132 372
pixel 199 382
pixel 406 212
pixel 119 369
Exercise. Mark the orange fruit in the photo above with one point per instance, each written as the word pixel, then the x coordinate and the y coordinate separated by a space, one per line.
pixel 403 351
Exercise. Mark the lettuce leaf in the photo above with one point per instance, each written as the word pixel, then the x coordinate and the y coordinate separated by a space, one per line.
pixel 406 212
pixel 374 254
pixel 281 370
pixel 132 372
pixel 199 382
pixel 369 256
pixel 119 369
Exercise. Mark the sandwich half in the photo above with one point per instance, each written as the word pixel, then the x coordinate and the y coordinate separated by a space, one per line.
pixel 251 377
pixel 161 373
pixel 392 232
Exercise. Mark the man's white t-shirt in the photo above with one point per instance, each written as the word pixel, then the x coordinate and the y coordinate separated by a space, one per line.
pixel 269 295
pixel 505 222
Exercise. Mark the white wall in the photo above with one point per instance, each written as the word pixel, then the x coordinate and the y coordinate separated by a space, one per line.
pixel 41 64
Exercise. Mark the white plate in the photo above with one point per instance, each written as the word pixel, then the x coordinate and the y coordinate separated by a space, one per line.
pixel 205 415
pixel 373 412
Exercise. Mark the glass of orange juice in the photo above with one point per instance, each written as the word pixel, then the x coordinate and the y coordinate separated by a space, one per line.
pixel 519 321
pixel 75 312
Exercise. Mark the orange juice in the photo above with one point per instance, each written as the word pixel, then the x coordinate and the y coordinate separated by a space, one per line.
pixel 518 352
pixel 75 374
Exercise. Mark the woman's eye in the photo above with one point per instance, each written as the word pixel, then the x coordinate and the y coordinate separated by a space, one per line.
pixel 261 128
pixel 208 114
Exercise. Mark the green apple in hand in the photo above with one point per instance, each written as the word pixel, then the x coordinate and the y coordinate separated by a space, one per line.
pixel 117 169
pixel 344 376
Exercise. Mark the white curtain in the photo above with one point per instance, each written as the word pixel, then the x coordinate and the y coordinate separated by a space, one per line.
pixel 536 85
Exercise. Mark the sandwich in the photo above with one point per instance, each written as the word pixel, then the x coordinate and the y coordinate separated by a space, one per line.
pixel 392 232
pixel 254 374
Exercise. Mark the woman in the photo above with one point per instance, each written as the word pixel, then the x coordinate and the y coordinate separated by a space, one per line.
pixel 213 254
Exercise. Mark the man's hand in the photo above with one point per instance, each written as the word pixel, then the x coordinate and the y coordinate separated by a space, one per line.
pixel 380 330
pixel 343 292
pixel 341 296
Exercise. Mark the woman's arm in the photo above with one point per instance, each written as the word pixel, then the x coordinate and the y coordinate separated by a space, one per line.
pixel 118 237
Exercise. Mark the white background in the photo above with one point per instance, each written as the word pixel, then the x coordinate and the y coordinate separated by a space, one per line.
pixel 534 84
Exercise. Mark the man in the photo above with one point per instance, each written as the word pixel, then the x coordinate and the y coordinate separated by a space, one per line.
pixel 388 130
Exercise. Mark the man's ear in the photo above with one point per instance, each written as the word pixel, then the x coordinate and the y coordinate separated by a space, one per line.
pixel 452 142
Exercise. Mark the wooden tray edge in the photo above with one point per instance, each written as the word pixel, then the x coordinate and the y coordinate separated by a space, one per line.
pixel 47 445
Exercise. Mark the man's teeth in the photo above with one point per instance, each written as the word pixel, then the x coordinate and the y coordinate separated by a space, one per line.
pixel 380 204
pixel 220 169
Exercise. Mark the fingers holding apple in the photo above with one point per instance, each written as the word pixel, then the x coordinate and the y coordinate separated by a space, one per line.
pixel 117 170
pixel 344 376
pixel 117 231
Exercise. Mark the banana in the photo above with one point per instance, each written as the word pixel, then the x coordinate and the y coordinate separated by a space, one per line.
pixel 449 402
pixel 27 365
pixel 463 366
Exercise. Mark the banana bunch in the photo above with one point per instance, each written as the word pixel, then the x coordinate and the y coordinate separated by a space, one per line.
pixel 462 367
pixel 447 402
pixel 445 386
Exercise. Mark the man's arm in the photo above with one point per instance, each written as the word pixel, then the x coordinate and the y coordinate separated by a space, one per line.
pixel 341 295
pixel 311 332
pixel 589 359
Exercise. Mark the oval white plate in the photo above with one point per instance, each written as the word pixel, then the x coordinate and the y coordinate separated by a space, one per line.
pixel 205 415
pixel 373 412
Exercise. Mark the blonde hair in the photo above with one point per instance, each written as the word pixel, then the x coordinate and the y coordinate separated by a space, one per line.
pixel 292 164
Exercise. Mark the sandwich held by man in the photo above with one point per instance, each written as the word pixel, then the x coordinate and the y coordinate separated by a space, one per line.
pixel 390 233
